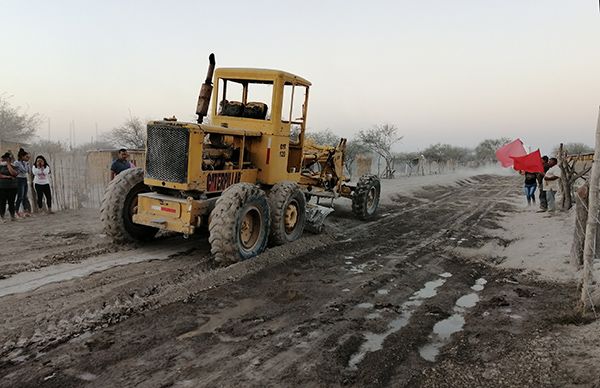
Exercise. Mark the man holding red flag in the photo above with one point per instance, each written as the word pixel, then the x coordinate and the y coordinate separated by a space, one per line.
pixel 507 151
pixel 530 165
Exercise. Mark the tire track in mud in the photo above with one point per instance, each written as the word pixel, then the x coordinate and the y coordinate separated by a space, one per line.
pixel 465 191
pixel 304 355
pixel 136 294
pixel 408 250
pixel 75 255
pixel 455 221
pixel 177 287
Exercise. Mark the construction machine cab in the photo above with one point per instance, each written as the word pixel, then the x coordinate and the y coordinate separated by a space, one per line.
pixel 273 102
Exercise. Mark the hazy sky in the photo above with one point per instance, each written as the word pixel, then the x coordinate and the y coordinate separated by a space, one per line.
pixel 443 71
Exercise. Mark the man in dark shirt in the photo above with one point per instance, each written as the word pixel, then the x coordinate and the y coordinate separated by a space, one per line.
pixel 120 164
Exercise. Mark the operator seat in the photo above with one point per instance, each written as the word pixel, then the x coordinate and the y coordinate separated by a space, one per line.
pixel 255 110
pixel 231 108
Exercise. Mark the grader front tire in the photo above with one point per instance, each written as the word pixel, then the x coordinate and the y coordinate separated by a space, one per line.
pixel 239 224
pixel 119 204
pixel 365 199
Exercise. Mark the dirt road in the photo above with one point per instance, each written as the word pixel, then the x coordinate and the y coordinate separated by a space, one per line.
pixel 383 303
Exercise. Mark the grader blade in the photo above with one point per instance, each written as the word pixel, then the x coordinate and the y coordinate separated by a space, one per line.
pixel 315 217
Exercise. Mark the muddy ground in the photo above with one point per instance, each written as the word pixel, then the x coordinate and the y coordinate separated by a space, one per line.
pixel 382 303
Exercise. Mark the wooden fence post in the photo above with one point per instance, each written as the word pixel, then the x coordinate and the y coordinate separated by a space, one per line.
pixel 581 215
pixel 589 248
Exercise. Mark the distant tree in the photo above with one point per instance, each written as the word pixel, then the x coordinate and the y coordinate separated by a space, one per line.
pixel 323 137
pixel 486 150
pixel 407 156
pixel 573 149
pixel 14 124
pixel 380 140
pixel 446 152
pixel 130 134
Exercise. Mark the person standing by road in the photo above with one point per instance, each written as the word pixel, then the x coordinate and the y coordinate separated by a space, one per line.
pixel 530 186
pixel 8 186
pixel 23 169
pixel 120 164
pixel 543 200
pixel 41 182
pixel 551 183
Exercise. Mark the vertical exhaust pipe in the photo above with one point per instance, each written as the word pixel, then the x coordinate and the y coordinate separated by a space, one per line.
pixel 206 91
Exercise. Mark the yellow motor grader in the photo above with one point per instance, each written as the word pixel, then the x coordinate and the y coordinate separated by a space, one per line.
pixel 248 174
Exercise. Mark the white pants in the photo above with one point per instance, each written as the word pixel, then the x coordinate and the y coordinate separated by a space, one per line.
pixel 551 198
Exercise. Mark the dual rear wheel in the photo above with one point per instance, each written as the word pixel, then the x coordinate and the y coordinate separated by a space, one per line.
pixel 245 219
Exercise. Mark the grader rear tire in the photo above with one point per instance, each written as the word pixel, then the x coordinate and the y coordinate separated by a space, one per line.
pixel 365 199
pixel 288 213
pixel 239 224
pixel 120 204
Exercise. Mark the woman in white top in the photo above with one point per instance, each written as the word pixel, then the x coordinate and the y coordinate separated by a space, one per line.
pixel 41 182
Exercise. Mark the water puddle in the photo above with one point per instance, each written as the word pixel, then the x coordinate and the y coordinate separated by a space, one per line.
pixel 374 341
pixel 479 284
pixel 373 316
pixel 383 291
pixel 31 280
pixel 358 268
pixel 87 376
pixel 428 291
pixel 215 321
pixel 467 301
pixel 365 305
pixel 443 330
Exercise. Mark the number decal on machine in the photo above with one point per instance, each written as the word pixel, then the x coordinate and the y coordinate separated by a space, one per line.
pixel 222 180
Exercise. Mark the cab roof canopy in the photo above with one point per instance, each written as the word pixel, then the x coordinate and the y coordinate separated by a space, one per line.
pixel 258 75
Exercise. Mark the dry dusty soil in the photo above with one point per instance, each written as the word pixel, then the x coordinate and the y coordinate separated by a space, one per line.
pixel 381 303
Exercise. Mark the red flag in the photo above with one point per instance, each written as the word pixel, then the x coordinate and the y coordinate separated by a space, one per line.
pixel 504 153
pixel 529 163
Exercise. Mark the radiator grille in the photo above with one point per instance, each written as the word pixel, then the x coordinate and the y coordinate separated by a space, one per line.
pixel 167 153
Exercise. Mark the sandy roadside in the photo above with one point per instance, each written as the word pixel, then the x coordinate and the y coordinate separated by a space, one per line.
pixel 539 244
